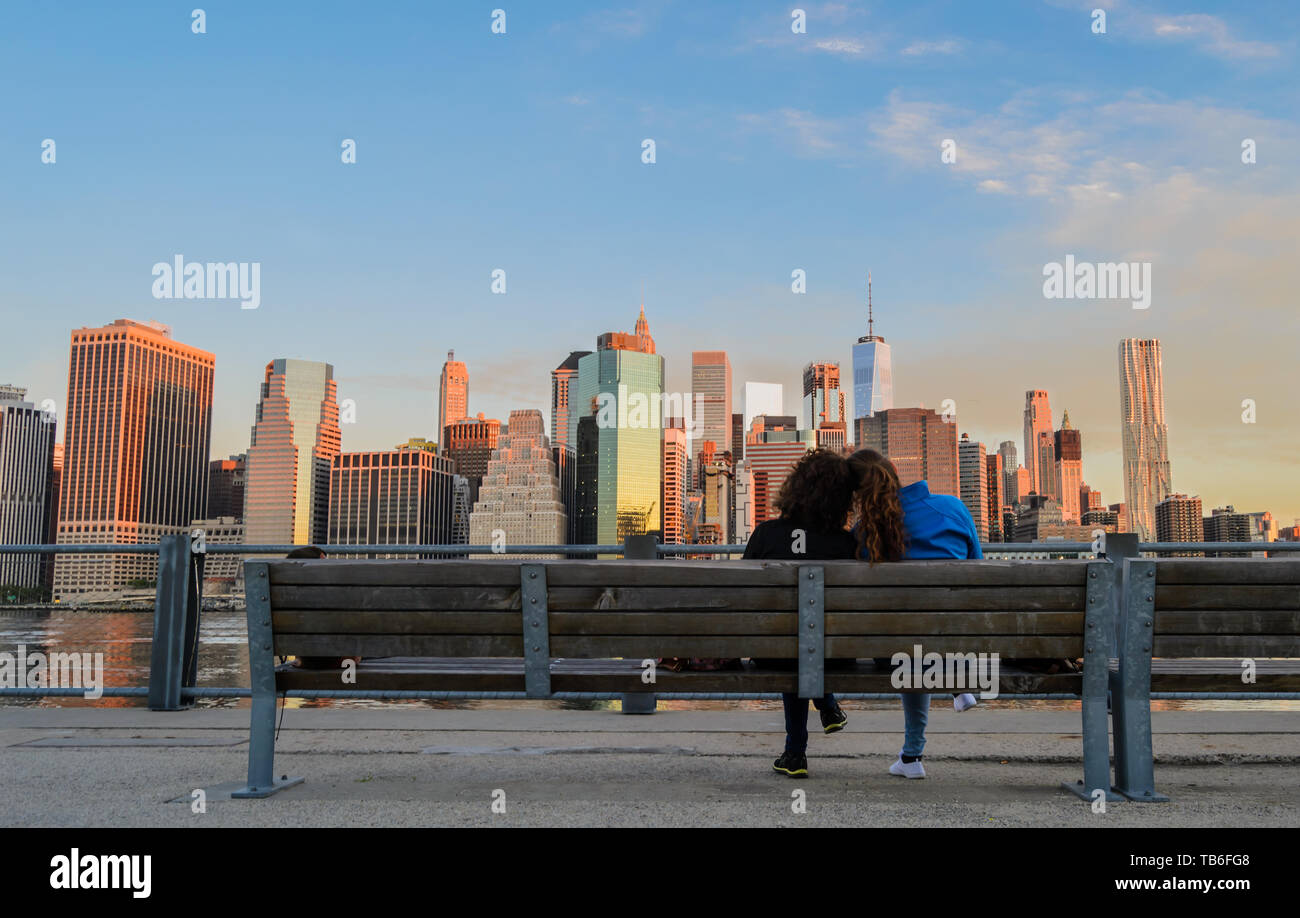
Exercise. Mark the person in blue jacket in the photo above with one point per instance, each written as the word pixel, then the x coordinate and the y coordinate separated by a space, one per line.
pixel 935 526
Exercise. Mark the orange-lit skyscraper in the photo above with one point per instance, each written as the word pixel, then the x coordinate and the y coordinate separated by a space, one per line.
pixel 1147 476
pixel 1069 469
pixel 453 394
pixel 138 430
pixel 920 443
pixel 564 385
pixel 469 445
pixel 711 389
pixel 295 439
pixel 674 485
pixel 1038 420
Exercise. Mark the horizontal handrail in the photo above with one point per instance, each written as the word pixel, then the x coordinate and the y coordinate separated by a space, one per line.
pixel 225 548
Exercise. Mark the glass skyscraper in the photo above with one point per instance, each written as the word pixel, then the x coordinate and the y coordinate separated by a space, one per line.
pixel 621 385
pixel 873 375
pixel 1147 477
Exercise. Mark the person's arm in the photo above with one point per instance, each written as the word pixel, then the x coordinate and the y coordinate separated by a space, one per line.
pixel 976 552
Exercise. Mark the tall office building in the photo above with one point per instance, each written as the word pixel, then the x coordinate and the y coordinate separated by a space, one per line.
pixel 620 481
pixel 674 484
pixel 520 494
pixel 566 472
pixel 26 485
pixel 295 439
pixel 994 477
pixel 1038 421
pixel 711 388
pixel 714 525
pixel 564 385
pixel 138 428
pixel 1010 460
pixel 737 436
pixel 1018 487
pixel 1225 524
pixel 1178 519
pixel 469 443
pixel 1089 499
pixel 873 375
pixel 1147 476
pixel 453 394
pixel 770 454
pixel 742 525
pixel 973 483
pixel 761 398
pixel 919 442
pixel 823 400
pixel 402 496
pixel 1068 470
pixel 226 487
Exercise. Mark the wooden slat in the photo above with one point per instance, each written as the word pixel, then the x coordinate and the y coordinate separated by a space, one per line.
pixel 984 598
pixel 406 645
pixel 353 621
pixel 1226 645
pixel 730 646
pixel 676 573
pixel 1229 596
pixel 757 599
pixel 951 622
pixel 1228 570
pixel 1220 675
pixel 394 573
pixel 297 596
pixel 957 573
pixel 1242 621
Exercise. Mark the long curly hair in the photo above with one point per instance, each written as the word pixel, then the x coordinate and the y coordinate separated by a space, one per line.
pixel 876 505
pixel 818 492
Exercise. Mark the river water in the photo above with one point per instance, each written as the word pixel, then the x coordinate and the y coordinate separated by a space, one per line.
pixel 125 637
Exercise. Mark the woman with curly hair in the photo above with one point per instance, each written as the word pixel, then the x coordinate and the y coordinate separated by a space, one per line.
pixel 814 505
pixel 896 523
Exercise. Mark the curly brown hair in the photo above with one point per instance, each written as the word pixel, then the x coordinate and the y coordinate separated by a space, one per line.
pixel 818 492
pixel 876 504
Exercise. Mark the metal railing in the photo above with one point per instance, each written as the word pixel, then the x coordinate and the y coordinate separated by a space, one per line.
pixel 174 651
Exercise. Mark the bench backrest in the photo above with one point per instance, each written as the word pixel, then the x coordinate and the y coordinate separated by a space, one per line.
pixel 1226 607
pixel 638 609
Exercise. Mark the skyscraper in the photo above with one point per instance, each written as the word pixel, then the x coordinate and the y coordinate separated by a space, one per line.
pixel 226 487
pixel 711 387
pixel 295 438
pixel 402 496
pixel 1069 469
pixel 26 485
pixel 620 481
pixel 1178 519
pixel 453 394
pixel 823 401
pixel 770 455
pixel 995 478
pixel 674 484
pixel 564 382
pixel 873 375
pixel 974 483
pixel 520 494
pixel 138 428
pixel 1007 450
pixel 1038 421
pixel 469 443
pixel 1147 476
pixel 920 443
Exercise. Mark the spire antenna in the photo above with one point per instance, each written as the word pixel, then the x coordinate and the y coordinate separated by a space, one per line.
pixel 870 316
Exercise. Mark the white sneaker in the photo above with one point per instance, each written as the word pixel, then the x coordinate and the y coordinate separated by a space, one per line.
pixel 907 769
pixel 964 701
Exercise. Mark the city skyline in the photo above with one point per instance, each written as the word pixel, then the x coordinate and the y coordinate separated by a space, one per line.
pixel 1143 164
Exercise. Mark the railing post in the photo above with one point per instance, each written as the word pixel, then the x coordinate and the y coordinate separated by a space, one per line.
pixel 167 654
pixel 640 548
pixel 1131 686
pixel 537 630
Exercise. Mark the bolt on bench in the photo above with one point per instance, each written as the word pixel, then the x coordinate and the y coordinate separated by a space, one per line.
pixel 542 628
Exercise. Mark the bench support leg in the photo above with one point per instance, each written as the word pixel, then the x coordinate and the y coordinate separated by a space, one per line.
pixel 1131 695
pixel 1099 626
pixel 640 703
pixel 261 662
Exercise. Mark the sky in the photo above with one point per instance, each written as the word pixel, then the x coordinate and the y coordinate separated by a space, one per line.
pixel 774 151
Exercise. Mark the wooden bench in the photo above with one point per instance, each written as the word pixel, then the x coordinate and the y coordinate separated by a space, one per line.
pixel 1188 625
pixel 539 628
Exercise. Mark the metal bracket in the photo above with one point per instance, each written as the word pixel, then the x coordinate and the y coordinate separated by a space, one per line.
pixel 1098 640
pixel 1131 695
pixel 812 632
pixel 537 630
pixel 173 662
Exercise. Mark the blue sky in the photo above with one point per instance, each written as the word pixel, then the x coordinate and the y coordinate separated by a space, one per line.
pixel 775 151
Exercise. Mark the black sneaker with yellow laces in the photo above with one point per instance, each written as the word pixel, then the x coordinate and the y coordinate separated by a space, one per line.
pixel 833 720
pixel 796 766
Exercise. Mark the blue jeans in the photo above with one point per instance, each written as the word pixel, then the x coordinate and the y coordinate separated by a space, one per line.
pixel 796 719
pixel 916 712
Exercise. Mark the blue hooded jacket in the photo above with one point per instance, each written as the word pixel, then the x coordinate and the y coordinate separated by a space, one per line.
pixel 937 525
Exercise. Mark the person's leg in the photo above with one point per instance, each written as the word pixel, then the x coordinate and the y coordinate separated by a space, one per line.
pixel 825 704
pixel 916 713
pixel 796 723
